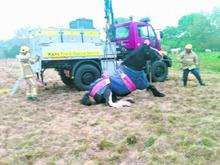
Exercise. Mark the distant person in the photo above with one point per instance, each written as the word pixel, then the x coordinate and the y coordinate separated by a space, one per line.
pixel 25 62
pixel 189 61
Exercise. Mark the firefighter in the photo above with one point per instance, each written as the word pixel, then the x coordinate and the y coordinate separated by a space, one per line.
pixel 25 62
pixel 189 61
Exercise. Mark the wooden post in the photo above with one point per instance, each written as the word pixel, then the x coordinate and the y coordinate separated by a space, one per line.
pixel 149 70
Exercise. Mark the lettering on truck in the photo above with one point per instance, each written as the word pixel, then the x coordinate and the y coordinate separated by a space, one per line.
pixel 68 54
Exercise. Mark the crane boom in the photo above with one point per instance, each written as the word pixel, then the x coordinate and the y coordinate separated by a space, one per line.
pixel 110 23
pixel 109 15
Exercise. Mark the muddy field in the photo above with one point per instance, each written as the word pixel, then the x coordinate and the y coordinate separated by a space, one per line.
pixel 182 128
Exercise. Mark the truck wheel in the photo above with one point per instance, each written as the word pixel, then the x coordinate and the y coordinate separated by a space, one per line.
pixel 159 71
pixel 85 75
pixel 167 60
pixel 66 80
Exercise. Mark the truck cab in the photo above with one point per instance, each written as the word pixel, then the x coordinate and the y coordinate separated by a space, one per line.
pixel 131 35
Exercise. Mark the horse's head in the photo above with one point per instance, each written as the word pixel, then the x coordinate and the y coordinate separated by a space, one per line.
pixel 145 52
pixel 149 53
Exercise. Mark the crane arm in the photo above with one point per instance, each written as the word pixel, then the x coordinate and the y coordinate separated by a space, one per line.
pixel 109 15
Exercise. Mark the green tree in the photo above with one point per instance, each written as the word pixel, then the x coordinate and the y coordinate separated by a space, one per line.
pixel 199 29
pixel 11 51
pixel 215 18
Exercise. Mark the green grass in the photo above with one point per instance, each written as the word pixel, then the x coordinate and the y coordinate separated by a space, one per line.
pixel 149 142
pixel 182 128
pixel 209 62
pixel 105 144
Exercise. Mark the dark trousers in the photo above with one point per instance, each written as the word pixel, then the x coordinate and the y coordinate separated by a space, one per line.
pixel 195 72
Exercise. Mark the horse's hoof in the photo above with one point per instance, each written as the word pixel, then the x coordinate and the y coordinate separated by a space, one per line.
pixel 130 100
pixel 160 95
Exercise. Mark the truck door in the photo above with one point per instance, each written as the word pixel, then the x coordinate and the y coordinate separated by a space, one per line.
pixel 147 32
pixel 152 36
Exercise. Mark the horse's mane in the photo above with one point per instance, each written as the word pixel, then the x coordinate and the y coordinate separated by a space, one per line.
pixel 136 52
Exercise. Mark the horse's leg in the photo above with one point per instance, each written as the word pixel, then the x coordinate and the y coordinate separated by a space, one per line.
pixel 124 103
pixel 109 100
pixel 128 99
pixel 154 91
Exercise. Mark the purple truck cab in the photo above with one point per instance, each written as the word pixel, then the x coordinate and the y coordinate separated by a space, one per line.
pixel 132 34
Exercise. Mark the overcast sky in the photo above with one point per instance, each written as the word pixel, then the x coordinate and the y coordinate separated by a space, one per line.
pixel 15 14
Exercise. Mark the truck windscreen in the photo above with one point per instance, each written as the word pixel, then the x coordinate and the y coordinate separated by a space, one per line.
pixel 143 32
pixel 122 32
pixel 146 32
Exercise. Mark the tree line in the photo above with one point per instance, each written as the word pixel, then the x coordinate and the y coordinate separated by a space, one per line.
pixel 202 30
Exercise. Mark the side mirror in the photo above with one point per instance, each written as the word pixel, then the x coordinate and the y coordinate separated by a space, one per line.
pixel 161 34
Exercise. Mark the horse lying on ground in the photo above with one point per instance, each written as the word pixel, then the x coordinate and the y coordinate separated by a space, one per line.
pixel 129 76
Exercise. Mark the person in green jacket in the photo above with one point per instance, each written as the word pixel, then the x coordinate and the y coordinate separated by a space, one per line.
pixel 190 62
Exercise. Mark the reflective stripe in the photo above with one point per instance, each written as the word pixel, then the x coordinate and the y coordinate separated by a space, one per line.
pixel 128 82
pixel 102 83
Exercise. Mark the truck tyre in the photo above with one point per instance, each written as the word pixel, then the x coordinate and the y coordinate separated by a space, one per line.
pixel 159 71
pixel 167 60
pixel 85 75
pixel 66 80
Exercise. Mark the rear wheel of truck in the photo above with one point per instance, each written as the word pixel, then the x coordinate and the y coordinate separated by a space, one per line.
pixel 159 71
pixel 66 80
pixel 85 75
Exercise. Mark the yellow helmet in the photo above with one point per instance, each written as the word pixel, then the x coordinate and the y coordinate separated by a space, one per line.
pixel 188 46
pixel 24 49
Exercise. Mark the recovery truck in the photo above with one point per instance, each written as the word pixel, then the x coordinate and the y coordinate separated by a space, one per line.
pixel 80 56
